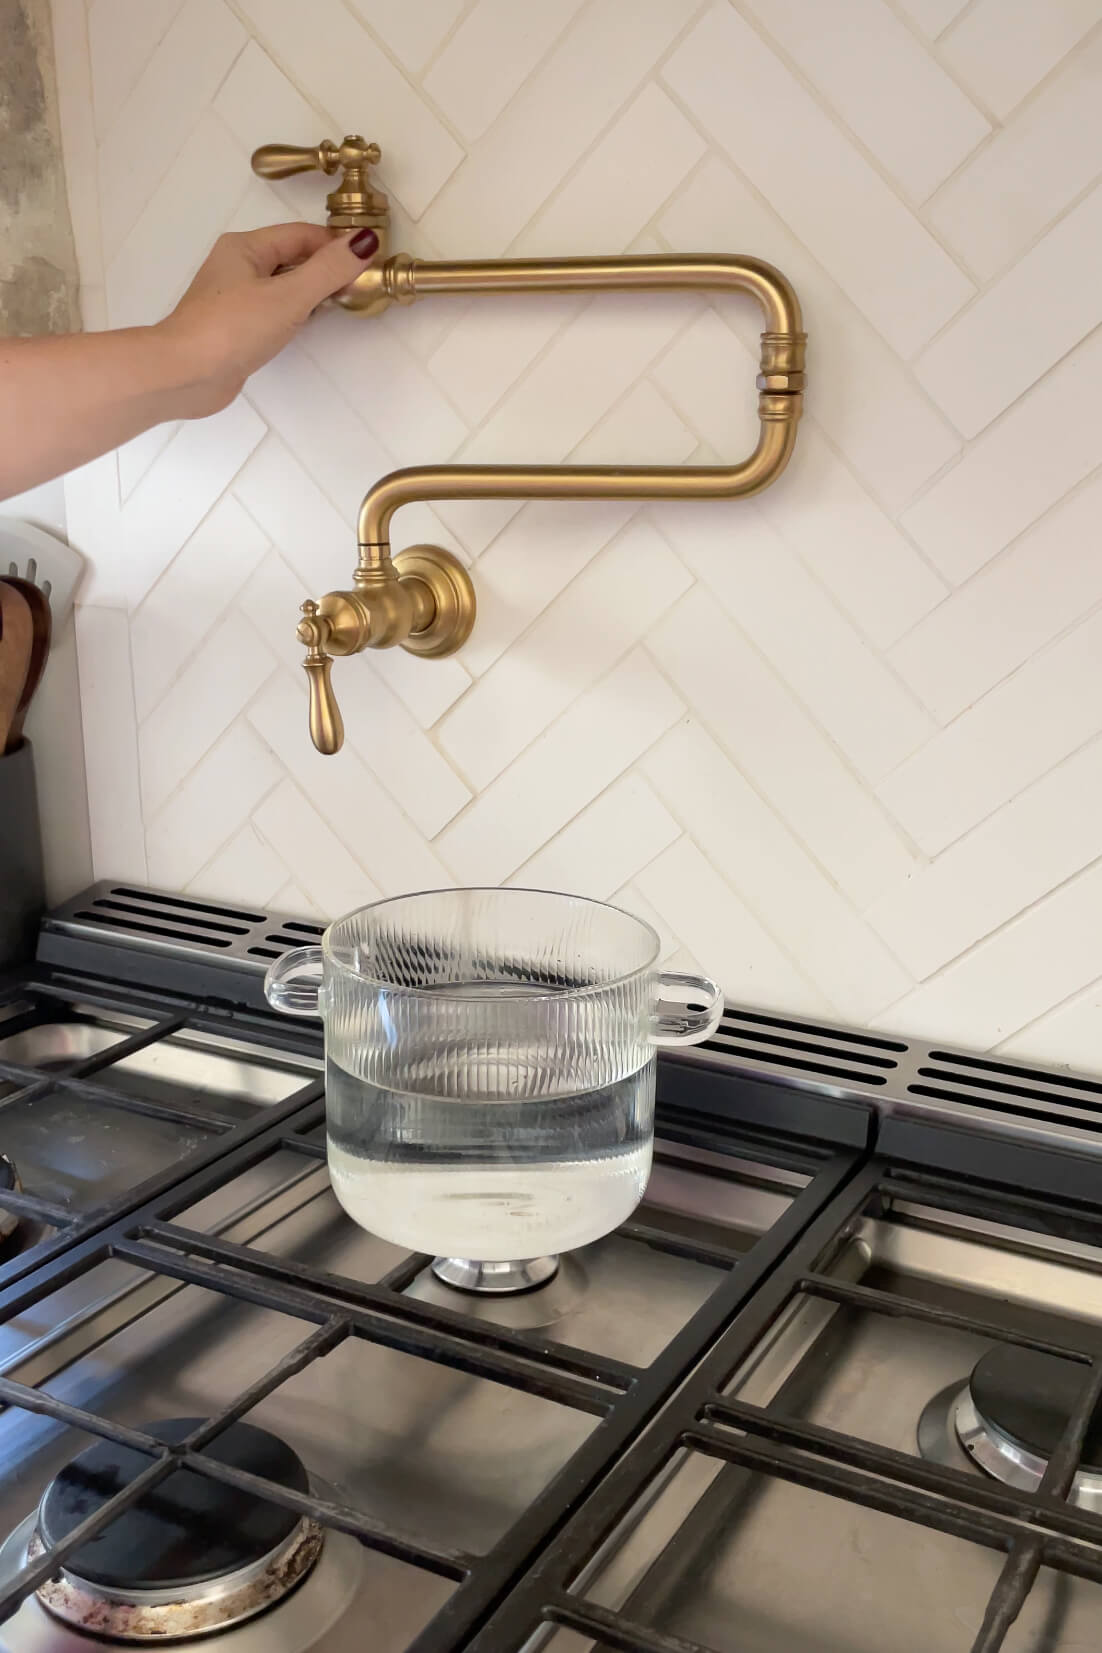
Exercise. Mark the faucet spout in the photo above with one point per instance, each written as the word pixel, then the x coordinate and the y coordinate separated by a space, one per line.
pixel 780 387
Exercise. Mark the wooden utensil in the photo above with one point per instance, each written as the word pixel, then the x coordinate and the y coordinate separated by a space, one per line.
pixel 41 623
pixel 16 649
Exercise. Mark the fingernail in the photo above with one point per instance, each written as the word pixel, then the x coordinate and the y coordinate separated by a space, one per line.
pixel 364 243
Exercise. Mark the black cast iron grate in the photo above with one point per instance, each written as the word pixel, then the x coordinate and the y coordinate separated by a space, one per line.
pixel 533 1578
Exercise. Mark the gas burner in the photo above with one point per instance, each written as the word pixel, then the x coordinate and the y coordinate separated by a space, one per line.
pixel 192 1556
pixel 495 1279
pixel 1013 1412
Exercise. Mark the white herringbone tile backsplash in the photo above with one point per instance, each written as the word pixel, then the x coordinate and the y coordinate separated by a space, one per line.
pixel 843 743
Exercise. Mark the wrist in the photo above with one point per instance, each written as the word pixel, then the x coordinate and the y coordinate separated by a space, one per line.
pixel 188 383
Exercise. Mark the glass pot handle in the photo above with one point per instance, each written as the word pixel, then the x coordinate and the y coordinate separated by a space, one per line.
pixel 677 1021
pixel 293 982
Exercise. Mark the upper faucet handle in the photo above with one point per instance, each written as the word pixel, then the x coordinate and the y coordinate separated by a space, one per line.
pixel 354 201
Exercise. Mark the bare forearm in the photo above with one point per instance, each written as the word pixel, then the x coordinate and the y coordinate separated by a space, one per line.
pixel 65 399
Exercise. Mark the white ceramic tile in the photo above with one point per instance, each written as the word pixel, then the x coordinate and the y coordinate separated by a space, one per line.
pixel 136 456
pixel 1035 167
pixel 215 686
pixel 296 516
pixel 412 33
pixel 122 37
pixel 388 387
pixel 724 935
pixel 245 870
pixel 335 62
pixel 778 748
pixel 257 99
pixel 202 816
pixel 768 592
pixel 739 833
pixel 1069 1036
pixel 92 528
pixel 192 473
pixel 849 543
pixel 292 898
pixel 642 429
pixel 708 377
pixel 970 372
pixel 1043 445
pixel 1016 975
pixel 620 184
pixel 427 687
pixel 555 117
pixel 1042 837
pixel 149 271
pixel 632 899
pixel 1002 48
pixel 932 16
pixel 581 754
pixel 176 615
pixel 619 834
pixel 297 401
pixel 497 45
pixel 596 620
pixel 858 388
pixel 590 364
pixel 540 552
pixel 330 877
pixel 385 734
pixel 176 85
pixel 909 114
pixel 819 182
pixel 1009 611
pixel 110 743
pixel 349 797
pixel 493 343
pixel 1002 743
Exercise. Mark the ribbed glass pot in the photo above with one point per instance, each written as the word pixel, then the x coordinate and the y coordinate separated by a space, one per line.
pixel 490 1064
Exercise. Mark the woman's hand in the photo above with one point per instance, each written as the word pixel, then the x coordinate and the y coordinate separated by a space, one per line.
pixel 67 398
pixel 249 298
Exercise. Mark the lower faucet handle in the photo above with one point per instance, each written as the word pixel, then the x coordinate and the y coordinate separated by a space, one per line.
pixel 326 723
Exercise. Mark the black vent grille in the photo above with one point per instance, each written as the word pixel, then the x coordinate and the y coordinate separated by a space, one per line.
pixel 771 1052
pixel 157 921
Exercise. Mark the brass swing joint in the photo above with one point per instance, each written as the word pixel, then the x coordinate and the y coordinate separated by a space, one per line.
pixel 423 599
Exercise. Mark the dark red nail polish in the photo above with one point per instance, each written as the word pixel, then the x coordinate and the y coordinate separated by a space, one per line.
pixel 364 243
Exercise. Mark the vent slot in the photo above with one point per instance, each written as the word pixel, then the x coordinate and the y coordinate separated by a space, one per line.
pixel 200 924
pixel 805 1047
pixel 845 1036
pixel 302 928
pixel 772 1059
pixel 162 931
pixel 997 1091
pixel 1061 1114
pixel 174 901
pixel 1034 1076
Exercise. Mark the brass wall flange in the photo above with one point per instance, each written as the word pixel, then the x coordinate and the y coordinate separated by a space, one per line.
pixel 423 600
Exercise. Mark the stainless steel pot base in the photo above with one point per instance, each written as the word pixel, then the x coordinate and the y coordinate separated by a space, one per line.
pixel 495 1279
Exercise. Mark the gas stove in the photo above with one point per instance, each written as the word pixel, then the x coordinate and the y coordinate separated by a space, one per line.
pixel 835 1386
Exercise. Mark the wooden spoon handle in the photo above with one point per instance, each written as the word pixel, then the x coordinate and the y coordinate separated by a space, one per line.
pixel 41 626
pixel 16 648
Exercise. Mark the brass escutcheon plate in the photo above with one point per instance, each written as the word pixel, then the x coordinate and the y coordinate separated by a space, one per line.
pixel 453 594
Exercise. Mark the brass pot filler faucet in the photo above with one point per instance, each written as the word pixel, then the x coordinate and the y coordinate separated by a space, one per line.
pixel 424 598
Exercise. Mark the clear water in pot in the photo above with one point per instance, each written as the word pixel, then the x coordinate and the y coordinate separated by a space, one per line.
pixel 494 1180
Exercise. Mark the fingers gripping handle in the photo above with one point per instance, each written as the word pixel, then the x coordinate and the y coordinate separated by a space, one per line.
pixel 688 1011
pixel 293 982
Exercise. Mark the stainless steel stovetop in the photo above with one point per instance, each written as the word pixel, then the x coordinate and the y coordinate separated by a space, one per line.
pixel 834 1388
